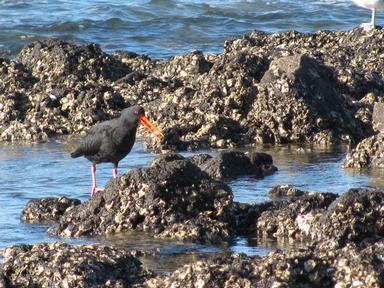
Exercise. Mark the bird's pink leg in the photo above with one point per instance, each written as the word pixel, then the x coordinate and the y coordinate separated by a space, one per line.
pixel 114 171
pixel 94 187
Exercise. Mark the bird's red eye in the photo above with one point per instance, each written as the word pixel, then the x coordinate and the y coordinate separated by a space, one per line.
pixel 135 112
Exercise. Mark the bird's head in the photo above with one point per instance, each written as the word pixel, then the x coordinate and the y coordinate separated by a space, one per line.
pixel 136 115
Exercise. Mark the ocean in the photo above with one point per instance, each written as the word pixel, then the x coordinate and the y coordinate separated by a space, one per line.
pixel 163 28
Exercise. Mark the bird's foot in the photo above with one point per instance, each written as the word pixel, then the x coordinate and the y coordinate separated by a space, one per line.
pixel 95 190
pixel 367 27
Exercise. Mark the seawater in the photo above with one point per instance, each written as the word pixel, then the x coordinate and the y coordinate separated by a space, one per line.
pixel 160 29
pixel 163 28
pixel 47 170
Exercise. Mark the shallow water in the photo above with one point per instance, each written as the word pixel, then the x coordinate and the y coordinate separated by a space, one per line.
pixel 47 170
pixel 163 28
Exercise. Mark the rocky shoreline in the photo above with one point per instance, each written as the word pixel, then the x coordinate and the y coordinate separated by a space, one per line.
pixel 264 88
pixel 175 198
pixel 343 236
pixel 259 90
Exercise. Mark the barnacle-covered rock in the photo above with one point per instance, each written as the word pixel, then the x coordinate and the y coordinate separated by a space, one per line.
pixel 68 90
pixel 173 194
pixel 208 109
pixel 357 216
pixel 89 104
pixel 47 209
pixel 14 76
pixel 15 80
pixel 317 87
pixel 378 117
pixel 291 108
pixel 228 106
pixel 285 191
pixel 293 218
pixel 229 271
pixel 137 87
pixel 62 265
pixel 186 66
pixel 315 266
pixel 137 62
pixel 55 60
pixel 351 265
pixel 368 153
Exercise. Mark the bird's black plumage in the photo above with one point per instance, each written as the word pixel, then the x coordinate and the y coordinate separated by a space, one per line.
pixel 112 140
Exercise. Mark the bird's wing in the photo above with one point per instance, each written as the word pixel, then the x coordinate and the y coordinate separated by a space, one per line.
pixel 92 143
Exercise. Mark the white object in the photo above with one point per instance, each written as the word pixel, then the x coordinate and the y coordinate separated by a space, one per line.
pixel 374 5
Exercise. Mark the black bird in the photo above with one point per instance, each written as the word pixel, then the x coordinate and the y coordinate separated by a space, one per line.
pixel 112 140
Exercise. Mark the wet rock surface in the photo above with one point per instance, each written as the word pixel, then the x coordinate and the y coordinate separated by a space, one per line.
pixel 47 209
pixel 263 88
pixel 309 267
pixel 62 265
pixel 285 191
pixel 173 198
pixel 368 153
pixel 232 164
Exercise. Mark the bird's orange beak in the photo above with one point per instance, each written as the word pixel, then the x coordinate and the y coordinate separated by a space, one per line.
pixel 151 127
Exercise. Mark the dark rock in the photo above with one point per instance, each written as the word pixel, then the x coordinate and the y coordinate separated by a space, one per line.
pixel 232 164
pixel 302 111
pixel 247 215
pixel 200 159
pixel 203 228
pixel 328 67
pixel 172 198
pixel 378 117
pixel 368 153
pixel 230 271
pixel 47 209
pixel 131 78
pixel 171 140
pixel 285 191
pixel 63 265
pixel 57 60
pixel 14 76
pixel 356 216
pixel 163 159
